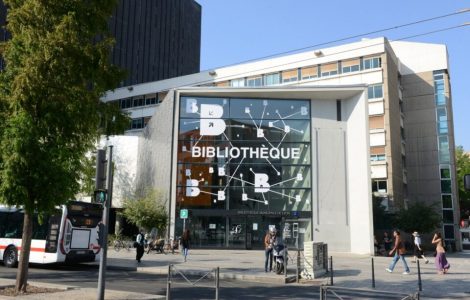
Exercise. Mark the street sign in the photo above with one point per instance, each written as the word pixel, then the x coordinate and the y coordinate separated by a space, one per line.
pixel 184 214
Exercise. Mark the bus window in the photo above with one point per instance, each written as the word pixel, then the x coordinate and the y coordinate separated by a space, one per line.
pixel 14 226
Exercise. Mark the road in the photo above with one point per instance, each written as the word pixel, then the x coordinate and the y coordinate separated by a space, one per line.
pixel 84 275
pixel 87 276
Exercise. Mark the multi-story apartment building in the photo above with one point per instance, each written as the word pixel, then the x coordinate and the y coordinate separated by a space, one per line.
pixel 409 104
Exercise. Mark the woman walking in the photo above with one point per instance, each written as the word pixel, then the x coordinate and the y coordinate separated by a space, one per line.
pixel 417 250
pixel 442 265
pixel 185 241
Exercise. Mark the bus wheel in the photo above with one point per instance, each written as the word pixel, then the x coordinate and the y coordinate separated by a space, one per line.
pixel 10 257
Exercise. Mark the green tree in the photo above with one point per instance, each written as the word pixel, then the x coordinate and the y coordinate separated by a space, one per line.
pixel 420 217
pixel 462 164
pixel 148 211
pixel 57 69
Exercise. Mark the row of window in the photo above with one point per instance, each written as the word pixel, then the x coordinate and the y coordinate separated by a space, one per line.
pixel 444 155
pixel 316 71
pixel 138 101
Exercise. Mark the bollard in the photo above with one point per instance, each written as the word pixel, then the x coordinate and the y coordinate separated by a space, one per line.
pixel 217 283
pixel 331 269
pixel 420 286
pixel 168 284
pixel 297 275
pixel 373 273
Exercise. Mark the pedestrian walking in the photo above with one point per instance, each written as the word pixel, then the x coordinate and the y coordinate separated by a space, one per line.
pixel 139 245
pixel 185 242
pixel 417 249
pixel 399 250
pixel 442 265
pixel 269 240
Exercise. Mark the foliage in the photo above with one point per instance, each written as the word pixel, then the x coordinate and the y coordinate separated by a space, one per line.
pixel 57 69
pixel 462 165
pixel 418 217
pixel 148 211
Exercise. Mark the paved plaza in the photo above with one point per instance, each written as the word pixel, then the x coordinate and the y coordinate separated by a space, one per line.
pixel 353 271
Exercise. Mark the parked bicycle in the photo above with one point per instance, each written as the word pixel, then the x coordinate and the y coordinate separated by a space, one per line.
pixel 119 243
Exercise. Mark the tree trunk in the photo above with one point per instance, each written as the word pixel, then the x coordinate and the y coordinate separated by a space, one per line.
pixel 22 274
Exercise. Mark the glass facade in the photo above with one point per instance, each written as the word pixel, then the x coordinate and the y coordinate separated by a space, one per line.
pixel 243 164
pixel 444 155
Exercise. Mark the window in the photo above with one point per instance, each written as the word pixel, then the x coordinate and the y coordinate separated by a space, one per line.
pixel 446 187
pixel 254 81
pixel 445 173
pixel 444 155
pixel 439 91
pixel 222 83
pixel 272 79
pixel 372 63
pixel 442 120
pixel 448 216
pixel 379 186
pixel 309 72
pixel 377 157
pixel 237 82
pixel 137 123
pixel 439 88
pixel 350 66
pixel 290 75
pixel 446 201
pixel 377 137
pixel 375 91
pixel 329 69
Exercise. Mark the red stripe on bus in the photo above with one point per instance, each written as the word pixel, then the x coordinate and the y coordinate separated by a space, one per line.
pixel 32 249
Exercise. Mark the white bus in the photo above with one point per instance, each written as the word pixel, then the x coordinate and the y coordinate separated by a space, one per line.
pixel 68 235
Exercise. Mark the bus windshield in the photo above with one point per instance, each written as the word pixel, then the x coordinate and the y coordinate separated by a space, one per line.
pixel 84 215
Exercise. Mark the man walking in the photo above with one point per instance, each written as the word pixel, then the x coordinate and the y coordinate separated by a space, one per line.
pixel 399 250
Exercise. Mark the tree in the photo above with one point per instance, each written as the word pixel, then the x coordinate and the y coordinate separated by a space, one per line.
pixel 462 165
pixel 420 217
pixel 57 69
pixel 148 211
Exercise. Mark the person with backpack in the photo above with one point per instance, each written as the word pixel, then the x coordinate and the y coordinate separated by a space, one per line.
pixel 399 250
pixel 139 245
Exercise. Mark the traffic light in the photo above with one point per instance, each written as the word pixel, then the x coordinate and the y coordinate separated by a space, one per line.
pixel 100 196
pixel 101 234
pixel 100 178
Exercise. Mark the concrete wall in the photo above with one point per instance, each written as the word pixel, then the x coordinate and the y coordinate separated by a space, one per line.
pixel 155 150
pixel 392 128
pixel 421 138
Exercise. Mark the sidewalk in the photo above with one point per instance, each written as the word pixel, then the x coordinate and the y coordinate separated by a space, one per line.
pixel 353 271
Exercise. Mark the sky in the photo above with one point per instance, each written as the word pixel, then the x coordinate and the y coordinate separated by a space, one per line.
pixel 234 31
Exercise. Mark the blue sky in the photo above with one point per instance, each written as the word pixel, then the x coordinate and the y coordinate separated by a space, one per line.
pixel 234 31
